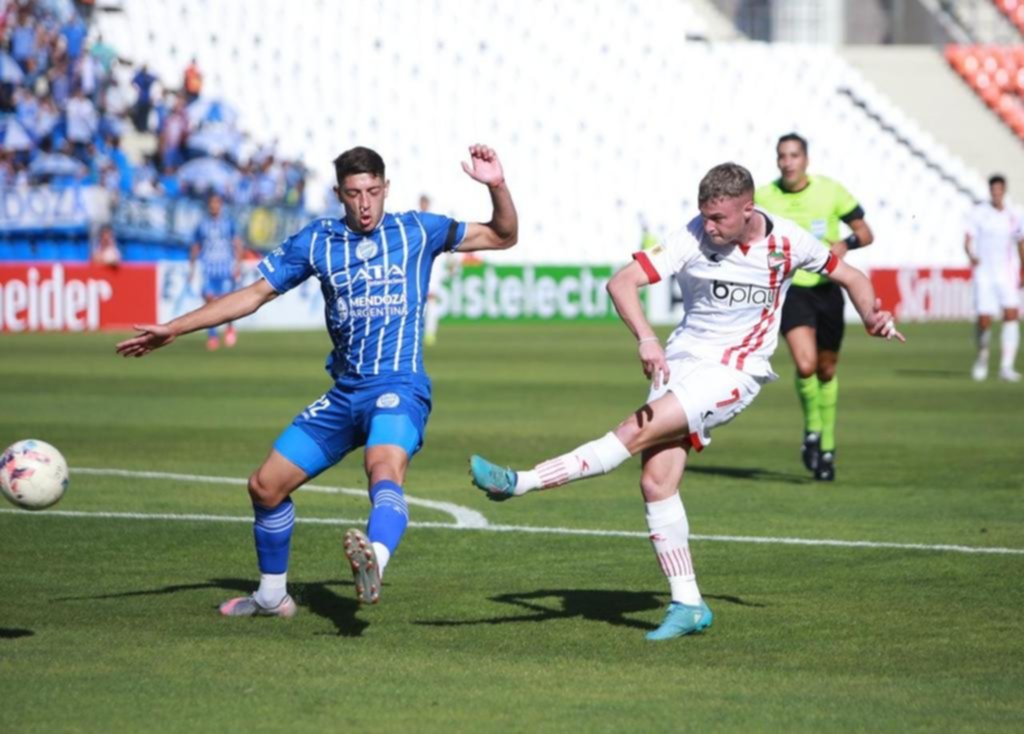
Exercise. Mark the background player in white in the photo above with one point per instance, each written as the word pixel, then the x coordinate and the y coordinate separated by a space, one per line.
pixel 734 263
pixel 373 268
pixel 995 245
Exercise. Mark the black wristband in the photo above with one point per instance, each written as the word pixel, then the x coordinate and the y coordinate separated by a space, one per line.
pixel 852 243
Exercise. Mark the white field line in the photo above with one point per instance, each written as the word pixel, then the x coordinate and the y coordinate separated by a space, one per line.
pixel 529 529
pixel 464 517
pixel 472 520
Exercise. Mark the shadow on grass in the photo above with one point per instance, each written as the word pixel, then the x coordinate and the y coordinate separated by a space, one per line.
pixel 11 633
pixel 948 374
pixel 749 472
pixel 596 605
pixel 317 596
pixel 734 600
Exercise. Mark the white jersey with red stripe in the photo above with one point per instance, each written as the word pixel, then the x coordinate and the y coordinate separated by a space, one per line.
pixel 732 294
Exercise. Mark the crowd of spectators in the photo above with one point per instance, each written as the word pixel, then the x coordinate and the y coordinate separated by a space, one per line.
pixel 68 101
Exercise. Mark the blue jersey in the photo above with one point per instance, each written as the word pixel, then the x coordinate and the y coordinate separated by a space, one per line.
pixel 216 238
pixel 374 286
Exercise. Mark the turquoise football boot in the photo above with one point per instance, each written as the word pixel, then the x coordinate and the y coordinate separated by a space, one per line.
pixel 498 482
pixel 682 619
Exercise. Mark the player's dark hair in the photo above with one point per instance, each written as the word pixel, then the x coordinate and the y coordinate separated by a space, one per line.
pixel 358 160
pixel 725 181
pixel 793 138
pixel 997 178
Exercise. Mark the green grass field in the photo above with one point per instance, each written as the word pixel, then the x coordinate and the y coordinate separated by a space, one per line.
pixel 109 624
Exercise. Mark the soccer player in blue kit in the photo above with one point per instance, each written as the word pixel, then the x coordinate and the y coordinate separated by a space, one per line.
pixel 218 247
pixel 373 267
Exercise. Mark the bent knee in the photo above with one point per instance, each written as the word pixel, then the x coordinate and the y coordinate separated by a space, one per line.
pixel 263 492
pixel 656 488
pixel 806 367
pixel 827 362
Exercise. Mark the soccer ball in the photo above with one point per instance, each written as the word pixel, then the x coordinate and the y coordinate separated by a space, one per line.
pixel 33 474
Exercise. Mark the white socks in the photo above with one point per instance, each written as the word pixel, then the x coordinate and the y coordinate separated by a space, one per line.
pixel 1008 342
pixel 273 588
pixel 670 536
pixel 590 459
pixel 383 556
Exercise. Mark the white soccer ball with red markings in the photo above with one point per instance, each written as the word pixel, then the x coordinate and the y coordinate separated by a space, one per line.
pixel 33 474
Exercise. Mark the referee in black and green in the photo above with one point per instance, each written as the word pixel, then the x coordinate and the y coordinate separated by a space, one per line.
pixel 812 315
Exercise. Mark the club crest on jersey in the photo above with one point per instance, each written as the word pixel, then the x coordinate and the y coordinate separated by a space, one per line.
pixel 366 249
pixel 388 400
pixel 776 260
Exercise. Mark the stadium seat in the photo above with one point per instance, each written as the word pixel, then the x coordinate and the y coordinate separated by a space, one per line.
pixel 19 250
pixel 47 249
pixel 570 140
pixel 996 73
pixel 1014 11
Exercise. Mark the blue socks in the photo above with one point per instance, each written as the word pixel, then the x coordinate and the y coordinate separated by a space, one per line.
pixel 389 515
pixel 273 533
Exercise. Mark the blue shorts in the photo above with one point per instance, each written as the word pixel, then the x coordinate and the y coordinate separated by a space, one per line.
pixel 217 287
pixel 345 418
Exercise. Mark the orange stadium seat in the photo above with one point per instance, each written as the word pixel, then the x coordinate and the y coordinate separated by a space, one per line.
pixel 1014 11
pixel 996 73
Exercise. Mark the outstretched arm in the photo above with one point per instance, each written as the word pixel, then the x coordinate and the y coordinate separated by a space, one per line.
pixel 624 289
pixel 231 307
pixel 503 230
pixel 862 294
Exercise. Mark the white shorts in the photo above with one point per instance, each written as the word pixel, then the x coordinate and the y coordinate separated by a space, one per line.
pixel 711 394
pixel 996 292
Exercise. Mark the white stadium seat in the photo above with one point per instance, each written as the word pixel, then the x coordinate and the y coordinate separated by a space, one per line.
pixel 601 114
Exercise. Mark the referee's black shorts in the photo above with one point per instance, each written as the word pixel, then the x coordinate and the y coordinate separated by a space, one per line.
pixel 821 308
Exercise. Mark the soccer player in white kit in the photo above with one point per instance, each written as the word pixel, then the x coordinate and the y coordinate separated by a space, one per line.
pixel 995 245
pixel 734 263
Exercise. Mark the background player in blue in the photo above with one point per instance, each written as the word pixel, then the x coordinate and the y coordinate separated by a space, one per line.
pixel 218 247
pixel 373 268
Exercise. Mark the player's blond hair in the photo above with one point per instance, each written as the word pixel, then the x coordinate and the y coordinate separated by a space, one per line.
pixel 725 181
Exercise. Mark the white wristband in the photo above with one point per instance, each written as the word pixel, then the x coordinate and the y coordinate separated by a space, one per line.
pixel 646 339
